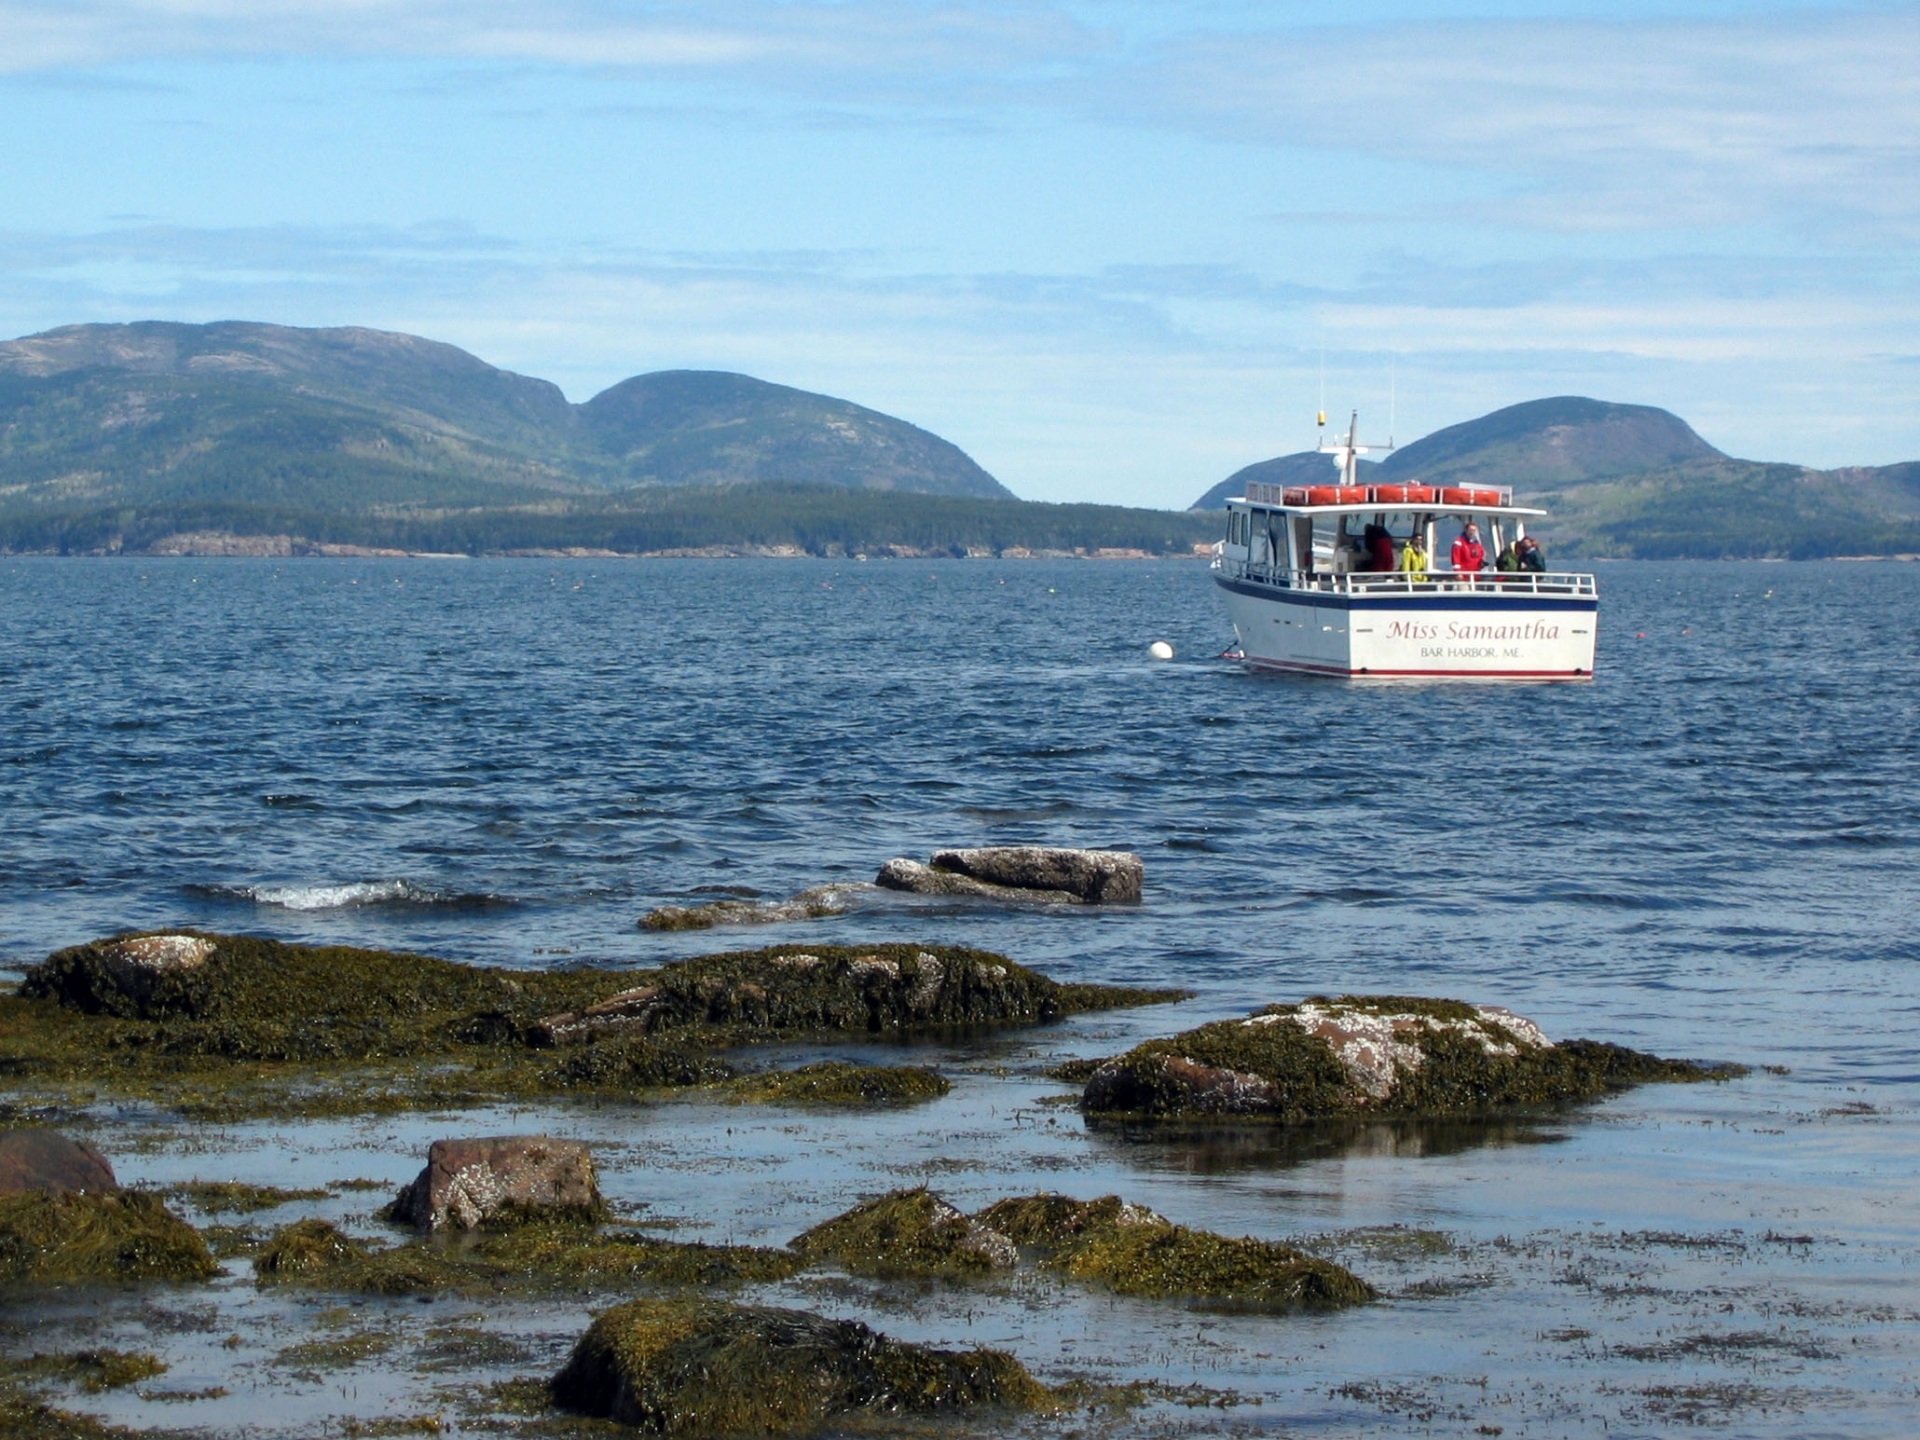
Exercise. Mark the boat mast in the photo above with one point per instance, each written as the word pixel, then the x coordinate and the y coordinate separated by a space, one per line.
pixel 1347 455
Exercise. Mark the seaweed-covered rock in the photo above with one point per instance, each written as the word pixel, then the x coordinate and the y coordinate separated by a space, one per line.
pixel 249 998
pixel 226 1038
pixel 1028 874
pixel 693 1368
pixel 36 1159
pixel 501 1179
pixel 303 1250
pixel 1054 1221
pixel 1369 1055
pixel 49 1238
pixel 137 975
pixel 1174 1261
pixel 886 988
pixel 812 904
pixel 1133 1251
pixel 908 1232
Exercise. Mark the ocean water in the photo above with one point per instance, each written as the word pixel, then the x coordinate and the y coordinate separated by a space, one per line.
pixel 1708 851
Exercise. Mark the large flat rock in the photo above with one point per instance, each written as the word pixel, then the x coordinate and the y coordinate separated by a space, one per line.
pixel 1024 873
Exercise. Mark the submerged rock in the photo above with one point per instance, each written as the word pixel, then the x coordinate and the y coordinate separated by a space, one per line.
pixel 813 904
pixel 499 1180
pixel 70 1238
pixel 909 1232
pixel 1025 873
pixel 46 1161
pixel 694 1368
pixel 1369 1056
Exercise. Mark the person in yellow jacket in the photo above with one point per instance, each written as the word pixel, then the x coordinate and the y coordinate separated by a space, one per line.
pixel 1413 559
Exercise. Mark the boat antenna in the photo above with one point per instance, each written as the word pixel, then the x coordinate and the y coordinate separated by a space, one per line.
pixel 1323 387
pixel 1393 394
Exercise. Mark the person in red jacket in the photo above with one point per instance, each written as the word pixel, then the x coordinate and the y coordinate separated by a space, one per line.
pixel 1469 555
pixel 1379 548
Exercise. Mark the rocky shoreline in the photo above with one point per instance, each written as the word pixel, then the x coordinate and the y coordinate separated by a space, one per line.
pixel 232 1027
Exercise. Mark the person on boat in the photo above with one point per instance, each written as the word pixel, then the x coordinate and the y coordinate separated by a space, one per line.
pixel 1413 558
pixel 1469 555
pixel 1531 556
pixel 1379 548
pixel 1509 557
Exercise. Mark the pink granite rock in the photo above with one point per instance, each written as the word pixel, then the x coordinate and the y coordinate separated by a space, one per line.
pixel 47 1161
pixel 502 1179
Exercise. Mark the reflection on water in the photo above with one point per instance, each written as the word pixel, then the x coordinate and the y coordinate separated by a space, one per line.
pixel 1221 1149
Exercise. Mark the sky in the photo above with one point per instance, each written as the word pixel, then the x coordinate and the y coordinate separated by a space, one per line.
pixel 1113 249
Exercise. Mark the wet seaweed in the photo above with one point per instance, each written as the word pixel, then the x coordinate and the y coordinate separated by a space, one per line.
pixel 692 1368
pixel 628 1063
pixel 75 1239
pixel 95 1370
pixel 23 1417
pixel 232 1197
pixel 837 1082
pixel 533 1257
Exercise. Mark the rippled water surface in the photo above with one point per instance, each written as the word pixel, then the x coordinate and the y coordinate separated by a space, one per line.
pixel 1708 851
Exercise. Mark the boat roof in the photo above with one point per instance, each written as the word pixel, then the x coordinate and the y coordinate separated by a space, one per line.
pixel 1410 507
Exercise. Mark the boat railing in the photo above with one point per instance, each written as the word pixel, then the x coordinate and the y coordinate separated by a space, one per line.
pixel 1515 583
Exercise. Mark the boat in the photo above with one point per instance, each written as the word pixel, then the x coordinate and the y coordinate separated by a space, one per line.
pixel 1302 571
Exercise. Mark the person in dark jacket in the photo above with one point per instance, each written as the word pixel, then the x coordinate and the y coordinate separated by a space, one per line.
pixel 1469 555
pixel 1531 556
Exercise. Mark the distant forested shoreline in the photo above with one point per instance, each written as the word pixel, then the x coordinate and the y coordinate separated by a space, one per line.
pixel 757 519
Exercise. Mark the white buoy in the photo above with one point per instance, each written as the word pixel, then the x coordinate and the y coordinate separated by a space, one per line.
pixel 1160 650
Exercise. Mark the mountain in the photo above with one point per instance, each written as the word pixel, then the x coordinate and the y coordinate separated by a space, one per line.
pixel 701 427
pixel 1565 440
pixel 1635 480
pixel 356 421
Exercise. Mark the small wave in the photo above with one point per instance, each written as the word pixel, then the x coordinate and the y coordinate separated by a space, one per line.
pixel 1006 813
pixel 361 894
pixel 1616 899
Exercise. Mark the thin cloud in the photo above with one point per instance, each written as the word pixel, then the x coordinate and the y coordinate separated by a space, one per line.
pixel 1805 121
pixel 786 46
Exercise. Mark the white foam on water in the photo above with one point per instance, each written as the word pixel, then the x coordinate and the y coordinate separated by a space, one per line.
pixel 337 897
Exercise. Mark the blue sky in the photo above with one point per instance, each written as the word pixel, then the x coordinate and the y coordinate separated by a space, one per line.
pixel 1107 248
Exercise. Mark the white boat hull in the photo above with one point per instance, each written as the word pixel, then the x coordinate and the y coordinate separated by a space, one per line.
pixel 1442 630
